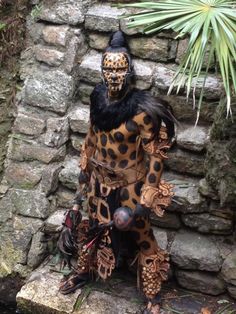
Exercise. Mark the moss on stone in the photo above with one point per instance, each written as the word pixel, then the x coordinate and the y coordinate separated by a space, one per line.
pixel 27 185
pixel 221 156
pixel 9 256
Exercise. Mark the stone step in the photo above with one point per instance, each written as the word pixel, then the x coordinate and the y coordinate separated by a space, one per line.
pixel 207 223
pixel 193 138
pixel 193 251
pixel 186 197
pixel 69 175
pixel 50 90
pixel 185 162
pixel 115 296
pixel 64 12
pixel 103 18
pixel 40 294
pixel 79 119
pixel 164 74
pixel 200 281
pixel 151 48
pixel 106 18
pixel 184 111
pixel 24 149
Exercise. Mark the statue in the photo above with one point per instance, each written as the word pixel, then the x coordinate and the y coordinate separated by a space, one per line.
pixel 121 166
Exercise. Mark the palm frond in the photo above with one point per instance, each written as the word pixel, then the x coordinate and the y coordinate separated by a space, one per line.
pixel 208 23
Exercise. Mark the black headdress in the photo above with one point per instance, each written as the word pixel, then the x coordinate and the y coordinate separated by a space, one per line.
pixel 118 43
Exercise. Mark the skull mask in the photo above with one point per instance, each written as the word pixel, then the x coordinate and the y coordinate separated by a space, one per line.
pixel 115 69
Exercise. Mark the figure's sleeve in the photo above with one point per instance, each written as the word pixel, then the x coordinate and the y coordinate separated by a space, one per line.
pixel 88 149
pixel 156 193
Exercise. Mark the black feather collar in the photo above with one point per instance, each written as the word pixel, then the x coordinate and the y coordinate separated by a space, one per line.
pixel 107 117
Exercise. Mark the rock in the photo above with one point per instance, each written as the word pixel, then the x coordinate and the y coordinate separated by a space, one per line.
pixel 30 203
pixel 200 281
pixel 124 23
pixel 153 48
pixel 184 110
pixel 28 150
pixel 65 198
pixel 64 11
pixel 224 212
pixel 28 124
pixel 55 35
pixel 50 178
pixel 57 132
pixel 172 49
pixel 213 89
pixel 76 49
pixel 77 141
pixel 38 250
pixel 143 73
pixel 6 208
pixel 229 268
pixel 9 256
pixel 98 41
pixel 221 170
pixel 34 2
pixel 40 295
pixel 232 291
pixel 9 287
pixel 49 56
pixel 84 92
pixel 54 222
pixel 186 198
pixel 181 50
pixel 34 29
pixel 15 239
pixel 3 189
pixel 101 303
pixel 207 223
pixel 169 220
pixel 206 190
pixel 69 175
pixel 161 237
pixel 193 251
pixel 164 74
pixel 103 17
pixel 193 138
pixel 185 162
pixel 23 175
pixel 28 64
pixel 90 67
pixel 79 119
pixel 50 90
pixel 223 129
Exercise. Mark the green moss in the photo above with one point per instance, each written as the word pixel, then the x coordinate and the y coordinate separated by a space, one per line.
pixel 224 128
pixel 9 257
pixel 26 185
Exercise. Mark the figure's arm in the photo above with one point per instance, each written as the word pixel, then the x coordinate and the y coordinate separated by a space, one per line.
pixel 88 149
pixel 156 193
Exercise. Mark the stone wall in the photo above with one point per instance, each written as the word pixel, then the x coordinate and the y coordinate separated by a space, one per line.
pixel 60 68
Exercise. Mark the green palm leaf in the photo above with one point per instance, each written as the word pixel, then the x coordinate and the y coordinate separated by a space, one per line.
pixel 208 23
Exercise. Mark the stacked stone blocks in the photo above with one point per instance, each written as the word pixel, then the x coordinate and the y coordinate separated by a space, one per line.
pixel 41 171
